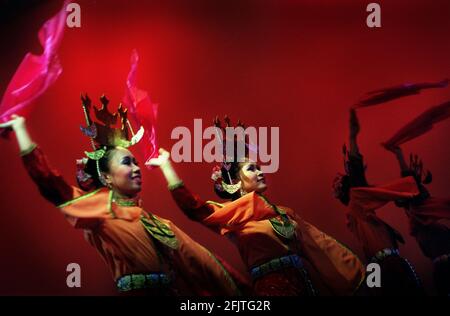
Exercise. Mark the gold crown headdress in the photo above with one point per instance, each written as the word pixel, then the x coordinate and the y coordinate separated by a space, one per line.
pixel 104 133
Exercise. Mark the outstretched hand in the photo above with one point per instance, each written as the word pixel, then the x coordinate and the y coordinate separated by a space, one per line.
pixel 17 124
pixel 14 124
pixel 161 160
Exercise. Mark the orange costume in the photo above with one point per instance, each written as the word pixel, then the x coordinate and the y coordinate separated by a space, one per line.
pixel 145 253
pixel 373 233
pixel 378 239
pixel 429 220
pixel 261 231
pixel 430 225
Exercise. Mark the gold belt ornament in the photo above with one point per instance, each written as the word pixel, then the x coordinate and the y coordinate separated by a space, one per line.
pixel 160 231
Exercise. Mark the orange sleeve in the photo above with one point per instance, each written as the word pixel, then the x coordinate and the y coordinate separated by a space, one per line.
pixel 339 268
pixel 50 183
pixel 366 199
pixel 234 215
pixel 191 204
pixel 226 216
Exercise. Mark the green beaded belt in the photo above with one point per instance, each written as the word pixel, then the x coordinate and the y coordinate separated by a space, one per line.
pixel 276 265
pixel 143 281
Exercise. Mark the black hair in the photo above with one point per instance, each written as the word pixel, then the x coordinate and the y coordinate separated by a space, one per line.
pixel 239 158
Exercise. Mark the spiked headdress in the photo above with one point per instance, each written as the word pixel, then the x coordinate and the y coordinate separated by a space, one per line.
pixel 109 129
pixel 227 162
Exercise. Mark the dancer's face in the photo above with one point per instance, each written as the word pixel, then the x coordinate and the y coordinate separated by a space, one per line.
pixel 252 178
pixel 124 174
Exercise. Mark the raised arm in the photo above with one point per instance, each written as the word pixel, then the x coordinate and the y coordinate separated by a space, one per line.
pixel 163 162
pixel 415 170
pixel 354 131
pixel 51 185
pixel 355 164
pixel 397 151
pixel 194 208
pixel 17 124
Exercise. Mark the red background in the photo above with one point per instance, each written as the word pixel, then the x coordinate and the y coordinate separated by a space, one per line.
pixel 297 65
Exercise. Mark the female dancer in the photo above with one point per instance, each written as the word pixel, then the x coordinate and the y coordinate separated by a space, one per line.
pixel 378 239
pixel 284 254
pixel 429 221
pixel 146 254
pixel 429 216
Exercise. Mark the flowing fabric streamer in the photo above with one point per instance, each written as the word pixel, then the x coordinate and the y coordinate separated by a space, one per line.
pixel 420 125
pixel 143 111
pixel 387 94
pixel 36 73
